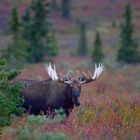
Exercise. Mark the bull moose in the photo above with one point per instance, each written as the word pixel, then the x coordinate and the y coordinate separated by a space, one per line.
pixel 56 92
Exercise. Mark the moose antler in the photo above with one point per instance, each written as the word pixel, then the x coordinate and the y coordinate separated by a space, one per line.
pixel 83 79
pixel 98 71
pixel 52 73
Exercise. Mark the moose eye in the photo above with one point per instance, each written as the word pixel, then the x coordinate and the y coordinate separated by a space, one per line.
pixel 82 78
pixel 65 79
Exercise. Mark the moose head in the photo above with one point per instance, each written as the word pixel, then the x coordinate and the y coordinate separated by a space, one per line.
pixel 74 83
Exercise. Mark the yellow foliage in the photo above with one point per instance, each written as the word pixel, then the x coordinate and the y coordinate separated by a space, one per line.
pixel 88 117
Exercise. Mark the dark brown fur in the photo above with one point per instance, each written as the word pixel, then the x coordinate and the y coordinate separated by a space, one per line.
pixel 44 95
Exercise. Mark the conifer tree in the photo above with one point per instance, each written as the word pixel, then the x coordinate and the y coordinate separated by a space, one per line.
pixel 14 23
pixel 128 45
pixel 66 8
pixel 82 49
pixel 26 25
pixel 10 97
pixel 51 45
pixel 36 30
pixel 97 54
pixel 16 53
pixel 54 5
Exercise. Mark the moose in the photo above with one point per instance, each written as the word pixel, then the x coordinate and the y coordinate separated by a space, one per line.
pixel 60 91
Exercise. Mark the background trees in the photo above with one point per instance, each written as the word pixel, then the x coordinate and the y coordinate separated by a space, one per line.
pixel 33 38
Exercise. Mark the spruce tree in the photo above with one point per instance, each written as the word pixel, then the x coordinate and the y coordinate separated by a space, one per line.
pixel 10 98
pixel 128 45
pixel 35 29
pixel 97 54
pixel 14 23
pixel 54 5
pixel 26 25
pixel 82 49
pixel 16 53
pixel 51 44
pixel 51 47
pixel 66 8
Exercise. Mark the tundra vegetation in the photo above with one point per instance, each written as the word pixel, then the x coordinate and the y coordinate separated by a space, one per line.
pixel 109 108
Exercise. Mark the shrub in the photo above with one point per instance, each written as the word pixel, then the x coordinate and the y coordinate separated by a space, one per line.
pixel 9 96
pixel 35 127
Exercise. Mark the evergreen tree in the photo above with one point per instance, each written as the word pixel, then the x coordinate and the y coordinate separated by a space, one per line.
pixel 16 53
pixel 128 45
pixel 66 8
pixel 97 54
pixel 40 12
pixel 26 25
pixel 51 47
pixel 14 22
pixel 82 49
pixel 54 5
pixel 10 97
pixel 35 29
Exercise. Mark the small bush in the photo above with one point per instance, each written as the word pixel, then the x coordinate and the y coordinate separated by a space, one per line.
pixel 9 96
pixel 35 128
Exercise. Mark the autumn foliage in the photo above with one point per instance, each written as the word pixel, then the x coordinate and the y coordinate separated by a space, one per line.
pixel 110 109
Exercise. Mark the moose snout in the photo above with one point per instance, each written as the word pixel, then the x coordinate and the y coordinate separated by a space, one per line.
pixel 76 94
pixel 76 102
